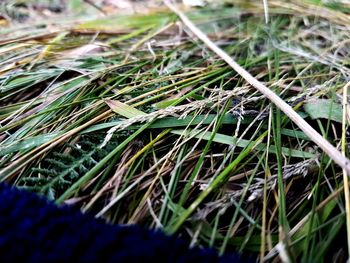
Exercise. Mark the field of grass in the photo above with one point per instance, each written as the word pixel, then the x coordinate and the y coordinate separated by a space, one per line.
pixel 135 120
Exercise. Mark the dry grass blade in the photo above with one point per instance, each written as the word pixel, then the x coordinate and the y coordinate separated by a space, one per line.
pixel 303 221
pixel 345 173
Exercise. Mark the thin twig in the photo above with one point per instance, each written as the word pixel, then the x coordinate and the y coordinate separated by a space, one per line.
pixel 266 11
pixel 328 148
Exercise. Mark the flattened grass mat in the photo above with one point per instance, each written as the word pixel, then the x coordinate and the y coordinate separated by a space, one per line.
pixel 131 118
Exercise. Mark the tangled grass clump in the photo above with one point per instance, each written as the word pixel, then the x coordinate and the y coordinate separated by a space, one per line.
pixel 131 118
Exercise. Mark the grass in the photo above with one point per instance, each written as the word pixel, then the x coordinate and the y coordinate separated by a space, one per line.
pixel 134 120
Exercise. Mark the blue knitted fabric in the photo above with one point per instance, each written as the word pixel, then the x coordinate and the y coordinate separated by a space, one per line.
pixel 35 230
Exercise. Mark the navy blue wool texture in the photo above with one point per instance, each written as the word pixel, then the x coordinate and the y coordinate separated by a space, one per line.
pixel 33 229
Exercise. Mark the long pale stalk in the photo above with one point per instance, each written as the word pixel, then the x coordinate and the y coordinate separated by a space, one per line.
pixel 317 138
